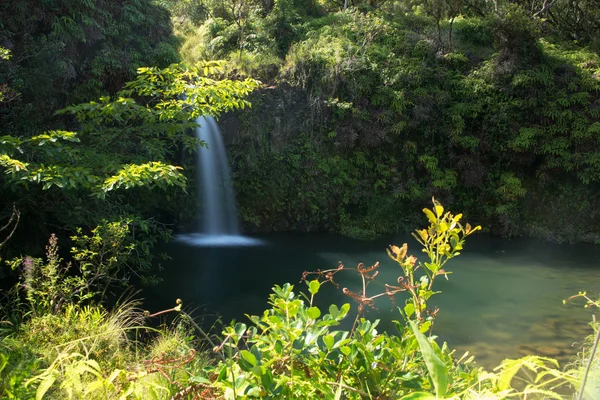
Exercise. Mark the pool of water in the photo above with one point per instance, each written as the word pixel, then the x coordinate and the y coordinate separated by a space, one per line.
pixel 504 298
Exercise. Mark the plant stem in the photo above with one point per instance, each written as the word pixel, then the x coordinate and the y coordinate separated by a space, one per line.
pixel 589 364
pixel 201 331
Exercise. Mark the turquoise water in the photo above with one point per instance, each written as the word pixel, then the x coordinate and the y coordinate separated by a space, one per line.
pixel 504 298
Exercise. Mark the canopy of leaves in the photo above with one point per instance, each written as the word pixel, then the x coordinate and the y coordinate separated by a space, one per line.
pixel 126 141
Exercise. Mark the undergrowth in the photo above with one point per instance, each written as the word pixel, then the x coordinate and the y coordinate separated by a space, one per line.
pixel 294 349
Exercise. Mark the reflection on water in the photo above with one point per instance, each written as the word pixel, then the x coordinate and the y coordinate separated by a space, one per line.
pixel 504 298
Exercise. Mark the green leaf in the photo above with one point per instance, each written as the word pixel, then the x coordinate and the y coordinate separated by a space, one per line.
pixel 313 312
pixel 257 371
pixel 239 329
pixel 399 327
pixel 432 267
pixel 430 216
pixel 45 384
pixel 418 396
pixel 267 379
pixel 409 309
pixel 509 369
pixel 278 347
pixel 346 350
pixel 313 287
pixel 246 355
pixel 334 311
pixel 200 379
pixel 344 310
pixel 328 340
pixel 436 367
pixel 425 326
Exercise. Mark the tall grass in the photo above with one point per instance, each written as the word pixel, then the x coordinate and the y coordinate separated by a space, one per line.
pixel 89 352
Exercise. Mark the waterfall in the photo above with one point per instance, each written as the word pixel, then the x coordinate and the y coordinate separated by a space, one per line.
pixel 219 224
pixel 219 214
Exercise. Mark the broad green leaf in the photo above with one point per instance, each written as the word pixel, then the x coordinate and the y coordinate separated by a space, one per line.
pixel 239 328
pixel 94 368
pixel 200 379
pixel 257 371
pixel 436 367
pixel 313 287
pixel 246 355
pixel 313 312
pixel 278 347
pixel 334 311
pixel 293 308
pixel 267 379
pixel 409 309
pixel 430 266
pixel 74 377
pixel 223 373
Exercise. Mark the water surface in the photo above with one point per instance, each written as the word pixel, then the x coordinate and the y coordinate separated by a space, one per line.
pixel 504 298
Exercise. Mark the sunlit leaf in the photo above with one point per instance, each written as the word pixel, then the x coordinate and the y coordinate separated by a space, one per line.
pixel 436 367
pixel 313 312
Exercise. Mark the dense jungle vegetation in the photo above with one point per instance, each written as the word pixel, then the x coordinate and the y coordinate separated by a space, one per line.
pixel 490 106
pixel 362 112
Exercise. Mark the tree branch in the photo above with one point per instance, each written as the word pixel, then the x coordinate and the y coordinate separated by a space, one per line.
pixel 545 8
pixel 15 216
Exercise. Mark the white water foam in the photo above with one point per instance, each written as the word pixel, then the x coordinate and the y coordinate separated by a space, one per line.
pixel 207 240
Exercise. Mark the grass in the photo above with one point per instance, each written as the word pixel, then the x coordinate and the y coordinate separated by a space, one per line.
pixel 89 352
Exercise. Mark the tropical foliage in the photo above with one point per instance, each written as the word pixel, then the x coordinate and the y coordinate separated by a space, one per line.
pixel 490 106
pixel 369 109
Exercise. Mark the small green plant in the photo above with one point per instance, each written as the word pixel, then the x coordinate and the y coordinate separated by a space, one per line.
pixel 105 257
pixel 442 240
pixel 46 283
pixel 294 351
pixel 587 366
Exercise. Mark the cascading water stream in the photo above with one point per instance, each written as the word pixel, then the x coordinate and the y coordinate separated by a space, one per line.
pixel 216 192
pixel 219 222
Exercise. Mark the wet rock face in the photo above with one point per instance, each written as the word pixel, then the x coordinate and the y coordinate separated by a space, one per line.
pixel 278 115
pixel 230 127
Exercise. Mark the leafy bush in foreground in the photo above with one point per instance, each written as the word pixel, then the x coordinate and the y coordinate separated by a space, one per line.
pixel 294 351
